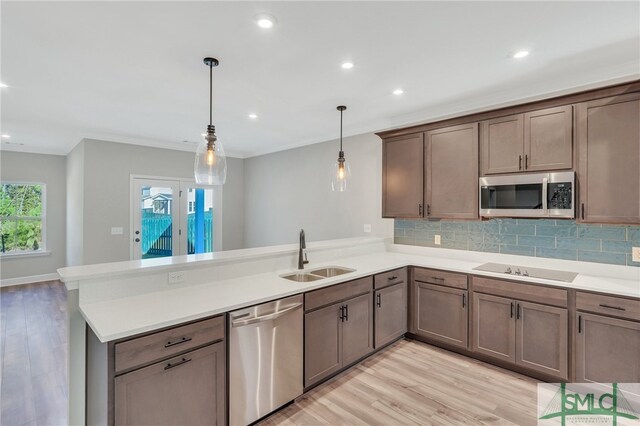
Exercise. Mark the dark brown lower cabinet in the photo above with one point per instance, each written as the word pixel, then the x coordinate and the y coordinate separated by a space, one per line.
pixel 527 334
pixel 188 390
pixel 441 313
pixel 336 336
pixel 607 349
pixel 390 313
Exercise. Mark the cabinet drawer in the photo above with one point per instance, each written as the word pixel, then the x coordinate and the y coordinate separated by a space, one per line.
pixel 326 296
pixel 526 292
pixel 389 278
pixel 433 276
pixel 153 347
pixel 608 305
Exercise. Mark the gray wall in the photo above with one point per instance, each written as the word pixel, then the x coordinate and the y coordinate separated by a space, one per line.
pixel 48 169
pixel 289 190
pixel 108 167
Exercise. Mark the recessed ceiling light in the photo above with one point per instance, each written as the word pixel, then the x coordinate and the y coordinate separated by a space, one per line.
pixel 398 92
pixel 5 136
pixel 265 21
pixel 521 54
pixel 3 84
pixel 347 65
pixel 253 116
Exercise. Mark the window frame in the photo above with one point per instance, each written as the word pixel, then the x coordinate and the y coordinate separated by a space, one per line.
pixel 43 220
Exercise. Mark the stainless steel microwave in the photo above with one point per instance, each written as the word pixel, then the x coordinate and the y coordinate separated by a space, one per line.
pixel 528 195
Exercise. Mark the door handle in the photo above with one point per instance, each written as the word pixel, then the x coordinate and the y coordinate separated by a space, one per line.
pixel 175 364
pixel 137 240
pixel 137 232
pixel 263 318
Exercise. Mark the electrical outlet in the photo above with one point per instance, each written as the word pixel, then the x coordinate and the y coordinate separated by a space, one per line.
pixel 176 277
pixel 116 230
pixel 436 240
pixel 367 227
pixel 635 254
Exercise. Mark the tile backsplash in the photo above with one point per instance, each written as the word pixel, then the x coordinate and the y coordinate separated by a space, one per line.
pixel 557 239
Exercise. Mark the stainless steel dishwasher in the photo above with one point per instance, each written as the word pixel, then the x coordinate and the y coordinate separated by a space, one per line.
pixel 265 358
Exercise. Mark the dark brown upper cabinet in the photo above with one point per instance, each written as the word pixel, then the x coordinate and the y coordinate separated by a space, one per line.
pixel 451 172
pixel 533 141
pixel 608 144
pixel 402 172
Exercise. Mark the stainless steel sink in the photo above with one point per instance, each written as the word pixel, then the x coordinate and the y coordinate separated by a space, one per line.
pixel 331 271
pixel 301 277
pixel 316 274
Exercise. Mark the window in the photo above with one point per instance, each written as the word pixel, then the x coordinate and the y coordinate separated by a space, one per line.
pixel 22 217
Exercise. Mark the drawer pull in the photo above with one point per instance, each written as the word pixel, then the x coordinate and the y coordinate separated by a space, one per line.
pixel 175 364
pixel 177 342
pixel 438 279
pixel 392 278
pixel 617 308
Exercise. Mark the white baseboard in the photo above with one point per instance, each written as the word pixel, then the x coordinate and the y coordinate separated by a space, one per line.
pixel 28 280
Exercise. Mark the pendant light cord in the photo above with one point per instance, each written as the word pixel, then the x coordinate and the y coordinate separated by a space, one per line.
pixel 210 94
pixel 340 130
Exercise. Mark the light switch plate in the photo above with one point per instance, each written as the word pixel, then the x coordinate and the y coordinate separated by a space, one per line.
pixel 367 227
pixel 176 277
pixel 436 240
pixel 116 230
pixel 635 254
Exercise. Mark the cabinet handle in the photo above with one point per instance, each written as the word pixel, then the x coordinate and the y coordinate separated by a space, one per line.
pixel 175 364
pixel 438 279
pixel 526 161
pixel 378 300
pixel 346 312
pixel 392 278
pixel 511 315
pixel 519 162
pixel 582 211
pixel 177 342
pixel 464 300
pixel 428 210
pixel 518 312
pixel 618 308
pixel 579 323
pixel 419 209
pixel 341 313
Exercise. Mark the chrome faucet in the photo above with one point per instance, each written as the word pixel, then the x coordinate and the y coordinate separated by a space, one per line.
pixel 302 256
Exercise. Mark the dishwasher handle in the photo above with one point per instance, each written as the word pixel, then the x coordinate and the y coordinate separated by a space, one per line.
pixel 263 318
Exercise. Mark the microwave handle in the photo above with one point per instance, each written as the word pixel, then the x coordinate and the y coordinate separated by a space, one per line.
pixel 545 183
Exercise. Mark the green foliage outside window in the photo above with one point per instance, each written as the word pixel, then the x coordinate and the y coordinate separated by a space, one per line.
pixel 21 217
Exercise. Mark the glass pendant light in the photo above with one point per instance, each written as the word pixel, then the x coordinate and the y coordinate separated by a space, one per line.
pixel 210 166
pixel 341 170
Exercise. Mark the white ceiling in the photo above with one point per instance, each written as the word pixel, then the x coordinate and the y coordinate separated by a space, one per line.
pixel 132 71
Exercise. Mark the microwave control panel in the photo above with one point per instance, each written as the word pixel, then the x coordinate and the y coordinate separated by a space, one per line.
pixel 559 195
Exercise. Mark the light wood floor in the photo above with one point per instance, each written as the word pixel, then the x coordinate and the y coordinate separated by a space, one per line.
pixel 33 354
pixel 412 383
pixel 408 383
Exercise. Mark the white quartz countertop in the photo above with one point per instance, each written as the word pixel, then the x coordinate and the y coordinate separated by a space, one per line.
pixel 130 315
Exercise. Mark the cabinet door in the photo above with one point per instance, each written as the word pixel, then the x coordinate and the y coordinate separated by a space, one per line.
pixel 451 172
pixel 607 350
pixel 322 343
pixel 542 338
pixel 609 159
pixel 185 390
pixel 502 145
pixel 357 329
pixel 548 139
pixel 441 313
pixel 494 326
pixel 390 313
pixel 402 176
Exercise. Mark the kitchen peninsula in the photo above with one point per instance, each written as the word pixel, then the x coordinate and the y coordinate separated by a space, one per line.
pixel 119 301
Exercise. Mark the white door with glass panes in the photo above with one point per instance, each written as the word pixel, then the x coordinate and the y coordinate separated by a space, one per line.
pixel 173 217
